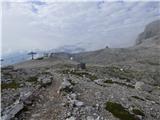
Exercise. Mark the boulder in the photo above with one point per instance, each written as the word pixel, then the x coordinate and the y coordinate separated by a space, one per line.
pixel 81 66
pixel 45 80
pixel 71 118
pixel 139 85
pixel 12 110
pixel 90 118
pixel 143 86
pixel 65 86
pixel 78 103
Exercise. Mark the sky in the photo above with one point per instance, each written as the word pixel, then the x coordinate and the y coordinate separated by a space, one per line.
pixel 45 25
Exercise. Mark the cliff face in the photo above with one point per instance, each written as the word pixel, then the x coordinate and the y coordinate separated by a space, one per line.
pixel 151 33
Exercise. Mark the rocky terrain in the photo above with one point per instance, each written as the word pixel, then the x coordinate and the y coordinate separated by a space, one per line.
pixel 117 84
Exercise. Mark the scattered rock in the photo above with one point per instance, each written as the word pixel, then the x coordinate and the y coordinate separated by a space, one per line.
pixel 90 118
pixel 71 118
pixel 78 103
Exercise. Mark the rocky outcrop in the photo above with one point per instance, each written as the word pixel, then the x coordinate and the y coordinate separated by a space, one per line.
pixel 151 30
pixel 12 110
pixel 45 79
pixel 65 86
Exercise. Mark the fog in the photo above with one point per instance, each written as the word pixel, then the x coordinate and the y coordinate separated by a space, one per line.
pixel 89 25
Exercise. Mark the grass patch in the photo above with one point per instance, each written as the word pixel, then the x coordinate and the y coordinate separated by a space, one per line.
pixel 153 61
pixel 80 74
pixel 13 85
pixel 136 97
pixel 138 112
pixel 7 74
pixel 32 79
pixel 122 74
pixel 45 73
pixel 72 82
pixel 119 111
pixel 40 58
pixel 119 83
pixel 109 81
pixel 67 89
pixel 92 77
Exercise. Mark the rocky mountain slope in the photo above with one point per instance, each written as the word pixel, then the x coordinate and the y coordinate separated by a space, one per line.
pixel 117 84
pixel 150 34
pixel 146 49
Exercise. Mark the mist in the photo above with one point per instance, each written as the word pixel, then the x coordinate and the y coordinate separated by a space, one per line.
pixel 41 25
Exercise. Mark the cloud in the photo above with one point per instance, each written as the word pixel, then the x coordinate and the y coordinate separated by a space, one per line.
pixel 46 25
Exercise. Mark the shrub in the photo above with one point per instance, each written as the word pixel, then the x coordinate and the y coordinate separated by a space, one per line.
pixel 32 79
pixel 122 74
pixel 136 97
pixel 138 112
pixel 119 111
pixel 80 74
pixel 119 83
pixel 40 58
pixel 13 85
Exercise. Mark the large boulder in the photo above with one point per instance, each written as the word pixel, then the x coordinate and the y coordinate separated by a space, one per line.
pixel 143 86
pixel 12 110
pixel 71 118
pixel 26 97
pixel 139 85
pixel 45 79
pixel 81 66
pixel 65 86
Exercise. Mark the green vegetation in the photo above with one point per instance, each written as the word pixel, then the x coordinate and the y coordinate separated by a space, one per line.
pixel 8 74
pixel 138 112
pixel 119 83
pixel 13 85
pixel 62 66
pixel 119 111
pixel 122 73
pixel 156 75
pixel 40 58
pixel 65 71
pixel 72 82
pixel 32 79
pixel 92 77
pixel 109 81
pixel 80 74
pixel 67 89
pixel 45 73
pixel 136 97
pixel 153 61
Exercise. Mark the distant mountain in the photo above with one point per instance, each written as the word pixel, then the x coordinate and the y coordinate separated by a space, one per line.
pixel 17 57
pixel 69 49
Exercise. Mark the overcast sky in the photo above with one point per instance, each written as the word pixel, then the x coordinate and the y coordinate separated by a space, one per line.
pixel 92 25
